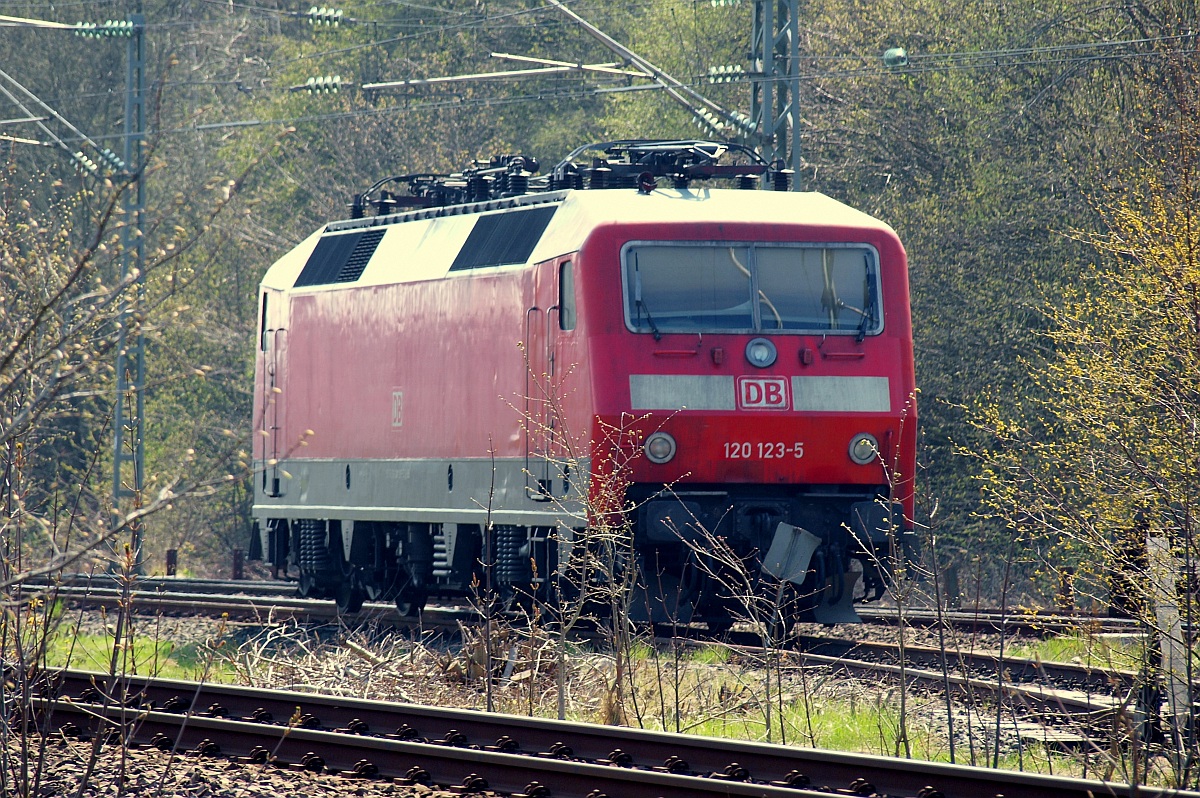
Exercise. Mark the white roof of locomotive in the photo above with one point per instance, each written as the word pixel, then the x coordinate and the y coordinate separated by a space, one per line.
pixel 424 249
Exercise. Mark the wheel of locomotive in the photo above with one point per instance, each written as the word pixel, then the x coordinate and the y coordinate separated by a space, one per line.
pixel 410 604
pixel 349 596
pixel 306 586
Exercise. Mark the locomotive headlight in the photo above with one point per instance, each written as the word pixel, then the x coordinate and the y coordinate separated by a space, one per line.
pixel 660 447
pixel 863 448
pixel 760 352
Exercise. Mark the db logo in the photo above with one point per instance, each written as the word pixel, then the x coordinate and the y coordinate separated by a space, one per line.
pixel 763 393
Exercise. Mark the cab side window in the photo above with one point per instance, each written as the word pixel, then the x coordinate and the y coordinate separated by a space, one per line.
pixel 566 296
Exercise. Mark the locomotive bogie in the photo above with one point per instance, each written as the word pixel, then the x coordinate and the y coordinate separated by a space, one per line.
pixel 452 400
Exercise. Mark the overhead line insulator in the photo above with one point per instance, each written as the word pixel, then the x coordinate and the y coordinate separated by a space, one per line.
pixel 114 28
pixel 322 84
pixel 743 122
pixel 895 57
pixel 727 73
pixel 83 163
pixel 112 159
pixel 329 17
pixel 707 119
pixel 120 28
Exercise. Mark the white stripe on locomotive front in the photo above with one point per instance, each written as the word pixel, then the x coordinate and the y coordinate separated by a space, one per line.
pixel 717 392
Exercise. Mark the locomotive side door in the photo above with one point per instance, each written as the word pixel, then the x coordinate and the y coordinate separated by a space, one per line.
pixel 559 326
pixel 552 313
pixel 536 419
pixel 547 467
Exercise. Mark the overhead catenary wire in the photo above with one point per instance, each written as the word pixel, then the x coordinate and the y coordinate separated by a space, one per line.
pixel 40 121
pixel 611 68
pixel 23 120
pixel 20 140
pixel 502 75
pixel 23 22
pixel 919 63
pixel 488 21
pixel 866 71
pixel 491 20
pixel 542 96
pixel 708 111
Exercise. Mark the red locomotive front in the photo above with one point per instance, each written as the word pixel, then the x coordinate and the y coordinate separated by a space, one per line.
pixel 722 377
pixel 766 367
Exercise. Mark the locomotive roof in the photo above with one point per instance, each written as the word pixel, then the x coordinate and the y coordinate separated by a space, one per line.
pixel 430 244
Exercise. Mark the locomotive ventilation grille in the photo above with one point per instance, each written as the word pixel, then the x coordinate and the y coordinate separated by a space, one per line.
pixel 339 258
pixel 503 238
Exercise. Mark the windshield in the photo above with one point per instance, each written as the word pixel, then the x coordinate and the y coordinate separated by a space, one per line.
pixel 742 287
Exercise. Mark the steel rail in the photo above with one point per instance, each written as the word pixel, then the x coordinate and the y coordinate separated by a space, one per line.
pixel 251 608
pixel 1065 701
pixel 1087 690
pixel 470 770
pixel 1016 669
pixel 600 746
pixel 992 621
pixel 168 584
pixel 1058 700
pixel 1091 689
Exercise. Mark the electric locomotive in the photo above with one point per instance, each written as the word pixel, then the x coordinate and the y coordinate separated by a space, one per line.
pixel 459 384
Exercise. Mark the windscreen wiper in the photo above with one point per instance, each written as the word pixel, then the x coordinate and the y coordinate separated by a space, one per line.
pixel 637 301
pixel 649 320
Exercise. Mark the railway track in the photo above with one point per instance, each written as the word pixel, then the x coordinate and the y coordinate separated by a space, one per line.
pixel 1042 699
pixel 157 584
pixel 1035 624
pixel 252 607
pixel 982 666
pixel 474 751
pixel 1057 689
pixel 1073 701
pixel 977 620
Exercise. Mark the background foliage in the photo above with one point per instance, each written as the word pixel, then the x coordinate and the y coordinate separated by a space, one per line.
pixel 991 153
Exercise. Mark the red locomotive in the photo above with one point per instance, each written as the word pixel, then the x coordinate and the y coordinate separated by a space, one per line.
pixel 459 382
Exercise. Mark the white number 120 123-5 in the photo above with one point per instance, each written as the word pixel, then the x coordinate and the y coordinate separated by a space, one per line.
pixel 763 450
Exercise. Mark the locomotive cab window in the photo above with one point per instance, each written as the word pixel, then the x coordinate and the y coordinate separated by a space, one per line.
pixel 741 287
pixel 262 325
pixel 566 296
